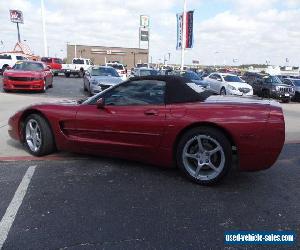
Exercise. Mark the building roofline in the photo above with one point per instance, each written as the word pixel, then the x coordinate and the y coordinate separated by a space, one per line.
pixel 105 46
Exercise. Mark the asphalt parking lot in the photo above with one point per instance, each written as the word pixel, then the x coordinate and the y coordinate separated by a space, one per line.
pixel 80 202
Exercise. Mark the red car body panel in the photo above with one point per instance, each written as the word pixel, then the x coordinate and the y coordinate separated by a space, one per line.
pixel 26 80
pixel 150 133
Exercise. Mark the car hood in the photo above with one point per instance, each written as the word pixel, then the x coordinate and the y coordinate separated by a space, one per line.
pixel 201 82
pixel 240 85
pixel 108 80
pixel 21 73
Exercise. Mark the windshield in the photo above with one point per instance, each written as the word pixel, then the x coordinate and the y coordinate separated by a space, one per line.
pixel 148 72
pixel 57 60
pixel 104 72
pixel 297 82
pixel 191 75
pixel 78 61
pixel 229 78
pixel 28 66
pixel 274 80
pixel 116 66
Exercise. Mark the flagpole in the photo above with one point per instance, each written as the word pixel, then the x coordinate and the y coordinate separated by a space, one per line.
pixel 44 28
pixel 183 34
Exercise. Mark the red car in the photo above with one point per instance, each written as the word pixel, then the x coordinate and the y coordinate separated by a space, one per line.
pixel 163 120
pixel 28 75
pixel 55 64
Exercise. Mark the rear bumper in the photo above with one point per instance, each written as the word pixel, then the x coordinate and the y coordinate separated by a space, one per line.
pixel 23 85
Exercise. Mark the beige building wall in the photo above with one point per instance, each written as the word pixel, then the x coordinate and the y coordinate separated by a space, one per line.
pixel 101 54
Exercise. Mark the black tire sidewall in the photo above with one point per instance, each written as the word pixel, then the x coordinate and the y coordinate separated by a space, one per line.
pixel 215 134
pixel 48 145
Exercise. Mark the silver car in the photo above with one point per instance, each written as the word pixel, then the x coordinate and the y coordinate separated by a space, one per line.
pixel 99 78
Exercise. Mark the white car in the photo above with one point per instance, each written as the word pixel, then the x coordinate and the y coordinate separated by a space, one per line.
pixel 119 68
pixel 9 59
pixel 228 84
pixel 77 67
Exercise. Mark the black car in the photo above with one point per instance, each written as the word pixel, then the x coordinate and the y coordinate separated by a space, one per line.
pixel 268 86
pixel 295 83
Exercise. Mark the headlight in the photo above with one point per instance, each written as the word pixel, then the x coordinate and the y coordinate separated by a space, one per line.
pixel 231 87
pixel 94 82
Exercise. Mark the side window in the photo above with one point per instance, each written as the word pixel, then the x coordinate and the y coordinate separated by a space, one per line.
pixel 6 57
pixel 268 80
pixel 219 78
pixel 144 92
pixel 212 76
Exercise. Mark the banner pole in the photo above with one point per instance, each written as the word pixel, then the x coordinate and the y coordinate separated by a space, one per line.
pixel 183 34
pixel 19 37
pixel 44 28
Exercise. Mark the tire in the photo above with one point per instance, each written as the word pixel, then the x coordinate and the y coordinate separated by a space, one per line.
pixel 204 166
pixel 265 94
pixel 84 87
pixel 81 74
pixel 39 144
pixel 55 74
pixel 44 87
pixel 67 75
pixel 3 68
pixel 223 91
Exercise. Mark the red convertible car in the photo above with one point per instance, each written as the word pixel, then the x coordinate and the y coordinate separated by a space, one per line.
pixel 28 75
pixel 163 120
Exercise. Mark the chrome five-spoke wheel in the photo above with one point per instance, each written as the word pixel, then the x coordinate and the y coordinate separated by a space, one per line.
pixel 33 135
pixel 204 154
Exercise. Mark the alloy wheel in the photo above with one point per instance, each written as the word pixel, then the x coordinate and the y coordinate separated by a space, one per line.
pixel 33 135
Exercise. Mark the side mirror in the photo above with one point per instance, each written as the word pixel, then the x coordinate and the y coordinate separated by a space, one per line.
pixel 100 103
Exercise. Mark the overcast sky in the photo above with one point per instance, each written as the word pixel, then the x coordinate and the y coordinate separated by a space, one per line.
pixel 251 31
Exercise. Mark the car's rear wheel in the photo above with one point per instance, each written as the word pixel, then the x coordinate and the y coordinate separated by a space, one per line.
pixel 67 75
pixel 223 91
pixel 204 155
pixel 38 137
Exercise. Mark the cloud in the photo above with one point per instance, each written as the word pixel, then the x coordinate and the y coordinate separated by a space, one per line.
pixel 251 31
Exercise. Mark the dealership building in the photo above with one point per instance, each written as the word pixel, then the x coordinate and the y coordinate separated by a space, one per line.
pixel 101 54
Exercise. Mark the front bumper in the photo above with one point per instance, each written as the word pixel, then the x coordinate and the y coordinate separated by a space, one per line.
pixel 282 96
pixel 239 93
pixel 23 85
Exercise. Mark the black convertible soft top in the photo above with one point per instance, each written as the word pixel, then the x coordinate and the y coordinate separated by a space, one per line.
pixel 177 89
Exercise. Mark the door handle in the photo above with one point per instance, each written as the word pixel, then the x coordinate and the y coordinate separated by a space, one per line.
pixel 151 112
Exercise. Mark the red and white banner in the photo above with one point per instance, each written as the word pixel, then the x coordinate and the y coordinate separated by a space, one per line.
pixel 188 36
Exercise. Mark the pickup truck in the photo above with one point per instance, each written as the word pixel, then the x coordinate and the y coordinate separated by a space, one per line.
pixel 55 64
pixel 9 59
pixel 77 68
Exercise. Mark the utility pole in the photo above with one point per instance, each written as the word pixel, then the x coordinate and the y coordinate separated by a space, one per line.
pixel 44 28
pixel 183 34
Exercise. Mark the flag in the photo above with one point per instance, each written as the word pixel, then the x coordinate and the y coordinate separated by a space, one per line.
pixel 188 36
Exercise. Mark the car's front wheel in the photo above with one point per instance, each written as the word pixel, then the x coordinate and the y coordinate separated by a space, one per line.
pixel 38 137
pixel 204 155
pixel 223 91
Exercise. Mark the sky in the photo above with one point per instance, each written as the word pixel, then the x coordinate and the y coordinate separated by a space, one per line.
pixel 250 31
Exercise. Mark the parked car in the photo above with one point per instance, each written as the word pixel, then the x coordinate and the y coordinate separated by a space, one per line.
pixel 159 120
pixel 77 68
pixel 295 83
pixel 119 68
pixel 55 64
pixel 145 72
pixel 268 86
pixel 192 76
pixel 228 84
pixel 99 78
pixel 9 60
pixel 28 75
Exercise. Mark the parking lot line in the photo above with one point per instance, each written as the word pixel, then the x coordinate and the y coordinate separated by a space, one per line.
pixel 12 210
